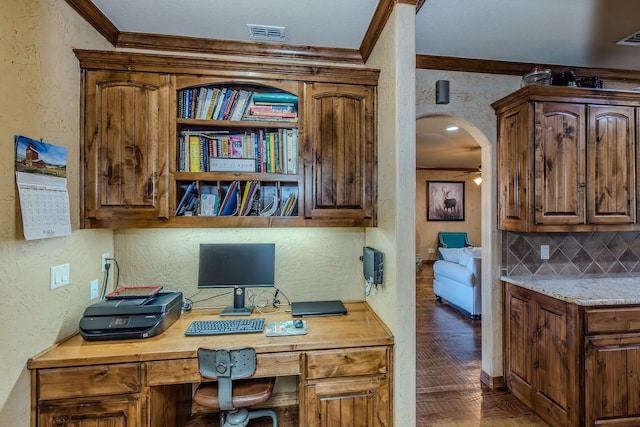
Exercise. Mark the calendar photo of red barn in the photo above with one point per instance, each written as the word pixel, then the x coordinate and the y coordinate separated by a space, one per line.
pixel 31 157
pixel 34 156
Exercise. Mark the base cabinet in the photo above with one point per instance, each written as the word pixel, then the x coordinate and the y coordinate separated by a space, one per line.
pixel 359 402
pixel 541 355
pixel 347 388
pixel 573 365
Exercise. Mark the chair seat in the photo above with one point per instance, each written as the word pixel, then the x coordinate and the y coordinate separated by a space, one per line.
pixel 245 393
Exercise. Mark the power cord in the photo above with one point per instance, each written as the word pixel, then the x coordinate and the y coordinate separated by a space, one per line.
pixel 107 268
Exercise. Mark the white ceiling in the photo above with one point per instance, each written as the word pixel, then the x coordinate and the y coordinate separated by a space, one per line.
pixel 578 33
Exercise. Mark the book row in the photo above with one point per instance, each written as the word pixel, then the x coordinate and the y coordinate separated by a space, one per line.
pixel 251 198
pixel 215 103
pixel 263 151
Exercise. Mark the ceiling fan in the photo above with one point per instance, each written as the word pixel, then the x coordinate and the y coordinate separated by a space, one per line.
pixel 477 180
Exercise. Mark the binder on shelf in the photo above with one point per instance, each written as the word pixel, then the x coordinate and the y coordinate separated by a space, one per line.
pixel 229 206
pixel 270 202
pixel 249 198
pixel 187 202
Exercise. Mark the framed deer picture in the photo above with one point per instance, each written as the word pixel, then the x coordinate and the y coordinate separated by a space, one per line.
pixel 445 200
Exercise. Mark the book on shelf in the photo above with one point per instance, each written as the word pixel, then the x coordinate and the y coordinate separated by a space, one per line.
pixel 189 202
pixel 274 97
pixel 243 101
pixel 219 101
pixel 194 153
pixel 202 94
pixel 229 205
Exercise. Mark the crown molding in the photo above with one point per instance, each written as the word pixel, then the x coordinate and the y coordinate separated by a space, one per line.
pixel 448 63
pixel 118 39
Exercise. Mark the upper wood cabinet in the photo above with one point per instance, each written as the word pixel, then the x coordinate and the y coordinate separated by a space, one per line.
pixel 126 128
pixel 340 147
pixel 133 130
pixel 567 159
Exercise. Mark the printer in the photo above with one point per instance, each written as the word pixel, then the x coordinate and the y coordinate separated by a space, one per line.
pixel 130 318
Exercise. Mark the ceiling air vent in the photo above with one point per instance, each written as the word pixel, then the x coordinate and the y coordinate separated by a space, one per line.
pixel 266 32
pixel 632 40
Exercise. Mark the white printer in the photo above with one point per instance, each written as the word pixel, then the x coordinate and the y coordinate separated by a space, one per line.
pixel 130 318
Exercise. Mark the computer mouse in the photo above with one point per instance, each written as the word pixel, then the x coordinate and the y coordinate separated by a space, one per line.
pixel 298 323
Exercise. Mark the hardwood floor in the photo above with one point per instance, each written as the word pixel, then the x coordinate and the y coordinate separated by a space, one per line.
pixel 448 388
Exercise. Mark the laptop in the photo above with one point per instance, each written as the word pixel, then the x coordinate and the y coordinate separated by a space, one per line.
pixel 318 308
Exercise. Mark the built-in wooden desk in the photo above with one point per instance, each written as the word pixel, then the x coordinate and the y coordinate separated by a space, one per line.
pixel 344 366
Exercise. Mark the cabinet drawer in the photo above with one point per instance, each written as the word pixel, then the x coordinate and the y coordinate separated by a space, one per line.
pixel 347 362
pixel 61 383
pixel 613 320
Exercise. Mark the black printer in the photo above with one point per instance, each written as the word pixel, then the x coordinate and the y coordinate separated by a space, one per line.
pixel 130 318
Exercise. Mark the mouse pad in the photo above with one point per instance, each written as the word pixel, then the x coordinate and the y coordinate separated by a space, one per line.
pixel 280 329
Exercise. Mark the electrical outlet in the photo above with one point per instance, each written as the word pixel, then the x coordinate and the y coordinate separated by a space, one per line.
pixel 431 250
pixel 94 289
pixel 104 260
pixel 544 251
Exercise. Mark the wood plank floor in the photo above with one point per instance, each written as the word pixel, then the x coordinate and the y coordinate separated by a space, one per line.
pixel 448 388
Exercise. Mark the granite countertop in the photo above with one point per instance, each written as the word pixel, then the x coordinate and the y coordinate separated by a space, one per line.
pixel 586 291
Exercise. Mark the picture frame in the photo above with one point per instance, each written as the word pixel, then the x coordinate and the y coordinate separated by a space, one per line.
pixel 445 201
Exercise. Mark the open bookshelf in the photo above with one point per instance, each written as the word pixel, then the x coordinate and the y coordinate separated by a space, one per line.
pixel 236 154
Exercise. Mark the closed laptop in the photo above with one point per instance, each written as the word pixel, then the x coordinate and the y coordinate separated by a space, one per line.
pixel 318 308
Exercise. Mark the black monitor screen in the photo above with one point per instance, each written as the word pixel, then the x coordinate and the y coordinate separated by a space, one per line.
pixel 236 265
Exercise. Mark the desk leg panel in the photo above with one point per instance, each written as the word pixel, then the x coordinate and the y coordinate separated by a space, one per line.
pixel 169 405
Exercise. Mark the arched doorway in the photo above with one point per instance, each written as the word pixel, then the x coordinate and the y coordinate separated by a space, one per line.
pixel 492 372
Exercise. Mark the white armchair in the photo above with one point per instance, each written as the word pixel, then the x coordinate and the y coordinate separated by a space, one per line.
pixel 457 279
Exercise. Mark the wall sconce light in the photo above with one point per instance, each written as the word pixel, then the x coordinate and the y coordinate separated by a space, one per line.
pixel 442 92
pixel 478 180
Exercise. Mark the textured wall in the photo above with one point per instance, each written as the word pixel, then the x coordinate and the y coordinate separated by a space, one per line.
pixel 394 301
pixel 311 263
pixel 427 231
pixel 40 92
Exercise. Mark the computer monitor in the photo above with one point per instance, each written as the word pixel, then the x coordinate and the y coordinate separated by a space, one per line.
pixel 237 266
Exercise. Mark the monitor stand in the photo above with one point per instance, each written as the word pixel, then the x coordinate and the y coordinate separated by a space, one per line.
pixel 238 309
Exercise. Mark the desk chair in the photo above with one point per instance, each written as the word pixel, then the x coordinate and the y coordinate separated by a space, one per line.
pixel 229 396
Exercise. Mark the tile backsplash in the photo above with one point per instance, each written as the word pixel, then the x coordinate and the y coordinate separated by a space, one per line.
pixel 571 254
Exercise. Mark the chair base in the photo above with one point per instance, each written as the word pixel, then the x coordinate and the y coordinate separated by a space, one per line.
pixel 240 417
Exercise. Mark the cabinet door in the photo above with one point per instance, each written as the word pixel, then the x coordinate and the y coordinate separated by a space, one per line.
pixel 513 170
pixel 541 350
pixel 559 167
pixel 126 145
pixel 612 382
pixel 611 165
pixel 347 402
pixel 340 152
pixel 519 344
pixel 109 412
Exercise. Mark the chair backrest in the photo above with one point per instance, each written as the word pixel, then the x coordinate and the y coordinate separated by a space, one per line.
pixel 226 366
pixel 451 239
pixel 234 364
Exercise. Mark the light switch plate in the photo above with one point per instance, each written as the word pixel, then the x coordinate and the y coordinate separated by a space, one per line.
pixel 59 275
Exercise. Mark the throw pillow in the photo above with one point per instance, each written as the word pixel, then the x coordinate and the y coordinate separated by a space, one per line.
pixel 451 254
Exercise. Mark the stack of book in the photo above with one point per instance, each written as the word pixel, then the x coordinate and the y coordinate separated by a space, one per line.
pixel 267 151
pixel 278 106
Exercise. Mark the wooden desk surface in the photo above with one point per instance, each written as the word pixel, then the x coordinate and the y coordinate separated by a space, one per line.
pixel 360 327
